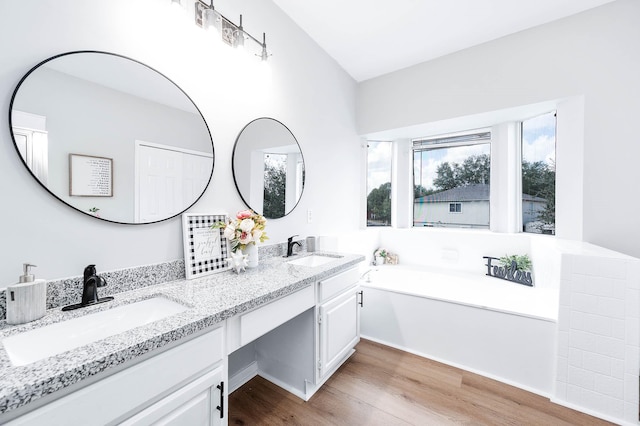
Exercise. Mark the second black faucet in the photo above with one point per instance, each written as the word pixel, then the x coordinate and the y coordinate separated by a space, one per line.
pixel 290 244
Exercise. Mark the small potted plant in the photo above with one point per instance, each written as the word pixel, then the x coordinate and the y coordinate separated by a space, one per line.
pixel 380 256
pixel 522 262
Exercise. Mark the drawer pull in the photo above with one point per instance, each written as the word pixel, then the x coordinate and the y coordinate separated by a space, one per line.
pixel 221 406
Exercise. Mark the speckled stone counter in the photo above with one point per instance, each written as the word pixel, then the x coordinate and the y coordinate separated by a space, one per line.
pixel 210 299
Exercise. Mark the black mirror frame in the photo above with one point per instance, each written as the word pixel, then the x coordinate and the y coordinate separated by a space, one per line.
pixel 15 92
pixel 233 169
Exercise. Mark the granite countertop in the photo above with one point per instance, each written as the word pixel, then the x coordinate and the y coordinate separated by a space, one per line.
pixel 211 300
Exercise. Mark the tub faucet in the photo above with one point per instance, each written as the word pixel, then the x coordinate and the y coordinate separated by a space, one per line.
pixel 368 274
pixel 90 283
pixel 290 244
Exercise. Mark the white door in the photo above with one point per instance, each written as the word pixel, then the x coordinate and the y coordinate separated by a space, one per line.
pixel 168 180
pixel 339 330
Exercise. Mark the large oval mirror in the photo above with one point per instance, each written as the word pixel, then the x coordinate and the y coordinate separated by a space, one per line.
pixel 268 168
pixel 111 137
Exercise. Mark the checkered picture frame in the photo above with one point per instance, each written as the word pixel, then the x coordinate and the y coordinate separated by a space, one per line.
pixel 197 268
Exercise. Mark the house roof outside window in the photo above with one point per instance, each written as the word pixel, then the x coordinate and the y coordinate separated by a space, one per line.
pixel 475 192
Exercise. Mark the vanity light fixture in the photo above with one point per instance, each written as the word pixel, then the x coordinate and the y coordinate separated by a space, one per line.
pixel 206 16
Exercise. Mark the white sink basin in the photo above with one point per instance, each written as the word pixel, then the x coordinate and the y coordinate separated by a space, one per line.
pixel 313 260
pixel 41 343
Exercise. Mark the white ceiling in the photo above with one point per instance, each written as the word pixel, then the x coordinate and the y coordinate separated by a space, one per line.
pixel 369 38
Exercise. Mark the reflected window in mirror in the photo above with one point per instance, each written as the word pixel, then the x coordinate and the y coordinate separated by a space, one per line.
pixel 268 168
pixel 103 105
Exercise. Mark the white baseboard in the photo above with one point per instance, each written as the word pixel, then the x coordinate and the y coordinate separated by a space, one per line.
pixel 297 392
pixel 252 370
pixel 593 413
pixel 243 376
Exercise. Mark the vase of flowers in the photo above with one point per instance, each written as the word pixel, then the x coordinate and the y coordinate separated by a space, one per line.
pixel 244 232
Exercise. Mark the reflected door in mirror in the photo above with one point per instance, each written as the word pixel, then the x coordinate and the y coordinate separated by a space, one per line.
pixel 166 179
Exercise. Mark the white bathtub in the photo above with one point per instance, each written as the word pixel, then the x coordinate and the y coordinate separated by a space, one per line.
pixel 492 327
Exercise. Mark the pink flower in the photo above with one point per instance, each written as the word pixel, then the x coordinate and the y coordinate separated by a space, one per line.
pixel 246 238
pixel 244 214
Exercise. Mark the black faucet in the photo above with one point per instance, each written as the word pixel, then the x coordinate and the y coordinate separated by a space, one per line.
pixel 290 244
pixel 90 285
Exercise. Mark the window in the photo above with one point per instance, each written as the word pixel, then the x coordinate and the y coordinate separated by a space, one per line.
pixel 539 174
pixel 379 183
pixel 451 175
pixel 275 177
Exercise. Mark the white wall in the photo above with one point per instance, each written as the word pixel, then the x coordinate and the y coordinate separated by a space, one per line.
pixel 306 90
pixel 592 56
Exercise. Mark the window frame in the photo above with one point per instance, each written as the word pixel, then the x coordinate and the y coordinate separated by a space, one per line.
pixel 545 229
pixel 474 137
pixel 366 183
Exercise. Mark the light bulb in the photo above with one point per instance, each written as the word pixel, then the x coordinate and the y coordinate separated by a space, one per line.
pixel 264 55
pixel 239 40
pixel 212 20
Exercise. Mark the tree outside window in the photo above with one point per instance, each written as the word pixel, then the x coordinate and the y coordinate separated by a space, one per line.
pixel 539 174
pixel 275 178
pixel 379 183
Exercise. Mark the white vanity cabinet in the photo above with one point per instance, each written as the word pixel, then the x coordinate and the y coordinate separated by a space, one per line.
pixel 298 341
pixel 182 385
pixel 339 301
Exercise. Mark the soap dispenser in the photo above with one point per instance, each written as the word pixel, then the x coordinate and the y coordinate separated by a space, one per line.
pixel 26 300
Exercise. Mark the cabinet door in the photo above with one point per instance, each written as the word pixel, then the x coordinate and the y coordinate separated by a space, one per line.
pixel 339 330
pixel 199 403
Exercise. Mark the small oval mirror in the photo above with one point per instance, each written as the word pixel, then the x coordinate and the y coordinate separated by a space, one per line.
pixel 111 137
pixel 268 168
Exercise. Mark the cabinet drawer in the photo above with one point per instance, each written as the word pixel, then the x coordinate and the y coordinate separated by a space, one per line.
pixel 335 285
pixel 264 319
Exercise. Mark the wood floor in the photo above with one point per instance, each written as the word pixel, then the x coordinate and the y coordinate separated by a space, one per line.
pixel 379 385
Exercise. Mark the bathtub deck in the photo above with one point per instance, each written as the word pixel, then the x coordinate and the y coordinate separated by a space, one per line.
pixel 470 289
